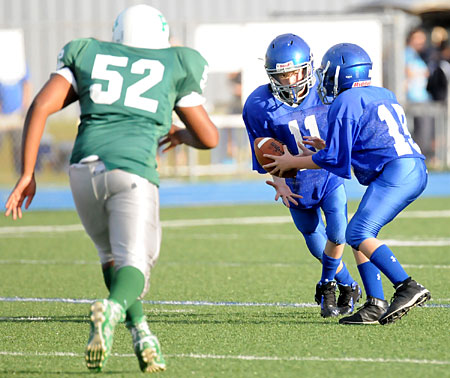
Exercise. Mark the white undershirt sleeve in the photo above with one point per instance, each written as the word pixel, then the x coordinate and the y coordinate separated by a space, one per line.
pixel 192 99
pixel 68 75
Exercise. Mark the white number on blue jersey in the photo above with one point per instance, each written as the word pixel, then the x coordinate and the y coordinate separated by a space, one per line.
pixel 133 93
pixel 402 142
pixel 295 131
pixel 310 125
pixel 402 117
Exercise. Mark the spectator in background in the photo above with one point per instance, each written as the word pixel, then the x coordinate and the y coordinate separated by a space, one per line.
pixel 14 100
pixel 439 64
pixel 234 107
pixel 439 38
pixel 440 77
pixel 417 74
pixel 416 68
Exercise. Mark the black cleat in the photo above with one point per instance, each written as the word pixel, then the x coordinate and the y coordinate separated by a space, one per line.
pixel 348 296
pixel 326 298
pixel 368 313
pixel 408 294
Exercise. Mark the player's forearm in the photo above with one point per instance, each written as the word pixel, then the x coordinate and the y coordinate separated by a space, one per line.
pixel 185 136
pixel 304 162
pixel 31 138
pixel 204 134
pixel 56 94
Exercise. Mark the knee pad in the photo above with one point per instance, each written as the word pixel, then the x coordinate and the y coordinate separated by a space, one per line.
pixel 337 238
pixel 355 234
pixel 336 233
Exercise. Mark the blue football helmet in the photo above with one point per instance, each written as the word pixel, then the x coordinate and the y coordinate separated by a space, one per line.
pixel 343 66
pixel 287 53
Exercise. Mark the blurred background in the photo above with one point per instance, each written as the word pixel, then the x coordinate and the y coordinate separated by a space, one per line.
pixel 407 40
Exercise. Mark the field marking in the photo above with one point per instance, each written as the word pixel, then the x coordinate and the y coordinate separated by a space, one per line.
pixel 220 264
pixel 48 262
pixel 172 303
pixel 438 242
pixel 49 318
pixel 40 229
pixel 417 243
pixel 180 223
pixel 244 358
pixel 189 303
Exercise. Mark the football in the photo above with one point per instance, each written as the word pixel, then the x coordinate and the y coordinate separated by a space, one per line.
pixel 271 146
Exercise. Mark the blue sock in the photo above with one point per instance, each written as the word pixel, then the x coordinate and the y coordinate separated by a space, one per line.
pixel 329 267
pixel 343 277
pixel 371 278
pixel 384 259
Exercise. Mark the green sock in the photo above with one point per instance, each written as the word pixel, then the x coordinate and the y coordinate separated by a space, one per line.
pixel 126 286
pixel 108 274
pixel 135 313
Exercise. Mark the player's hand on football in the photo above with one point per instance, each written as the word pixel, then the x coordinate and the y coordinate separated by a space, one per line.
pixel 25 188
pixel 172 139
pixel 313 141
pixel 303 150
pixel 283 191
pixel 280 163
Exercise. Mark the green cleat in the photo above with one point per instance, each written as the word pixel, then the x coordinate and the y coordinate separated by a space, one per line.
pixel 146 347
pixel 104 316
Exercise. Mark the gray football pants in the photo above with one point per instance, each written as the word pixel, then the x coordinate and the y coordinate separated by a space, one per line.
pixel 120 213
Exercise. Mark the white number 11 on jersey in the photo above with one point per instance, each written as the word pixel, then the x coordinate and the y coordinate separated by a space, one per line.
pixel 310 125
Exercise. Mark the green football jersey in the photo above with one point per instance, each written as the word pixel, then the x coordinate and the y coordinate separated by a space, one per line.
pixel 126 97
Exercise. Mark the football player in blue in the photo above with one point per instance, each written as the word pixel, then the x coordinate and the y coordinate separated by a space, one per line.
pixel 367 131
pixel 289 109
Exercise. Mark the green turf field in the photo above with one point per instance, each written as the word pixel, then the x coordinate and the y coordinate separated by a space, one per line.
pixel 224 293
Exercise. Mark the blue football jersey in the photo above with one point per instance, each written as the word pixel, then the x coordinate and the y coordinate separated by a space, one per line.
pixel 266 116
pixel 366 130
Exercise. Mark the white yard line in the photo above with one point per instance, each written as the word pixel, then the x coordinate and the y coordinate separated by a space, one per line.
pixel 191 303
pixel 244 357
pixel 220 264
pixel 180 223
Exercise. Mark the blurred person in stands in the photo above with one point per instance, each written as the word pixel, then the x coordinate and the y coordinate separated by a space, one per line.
pixel 127 90
pixel 15 98
pixel 439 64
pixel 417 74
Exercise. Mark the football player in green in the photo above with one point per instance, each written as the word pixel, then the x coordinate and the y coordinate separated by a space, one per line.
pixel 127 90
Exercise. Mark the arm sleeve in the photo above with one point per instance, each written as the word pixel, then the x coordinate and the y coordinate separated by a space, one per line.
pixel 336 157
pixel 66 60
pixel 68 54
pixel 194 80
pixel 192 99
pixel 67 74
pixel 255 128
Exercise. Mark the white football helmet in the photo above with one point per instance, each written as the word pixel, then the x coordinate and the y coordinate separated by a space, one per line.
pixel 141 26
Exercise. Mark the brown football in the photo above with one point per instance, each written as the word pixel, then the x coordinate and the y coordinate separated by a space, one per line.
pixel 271 146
